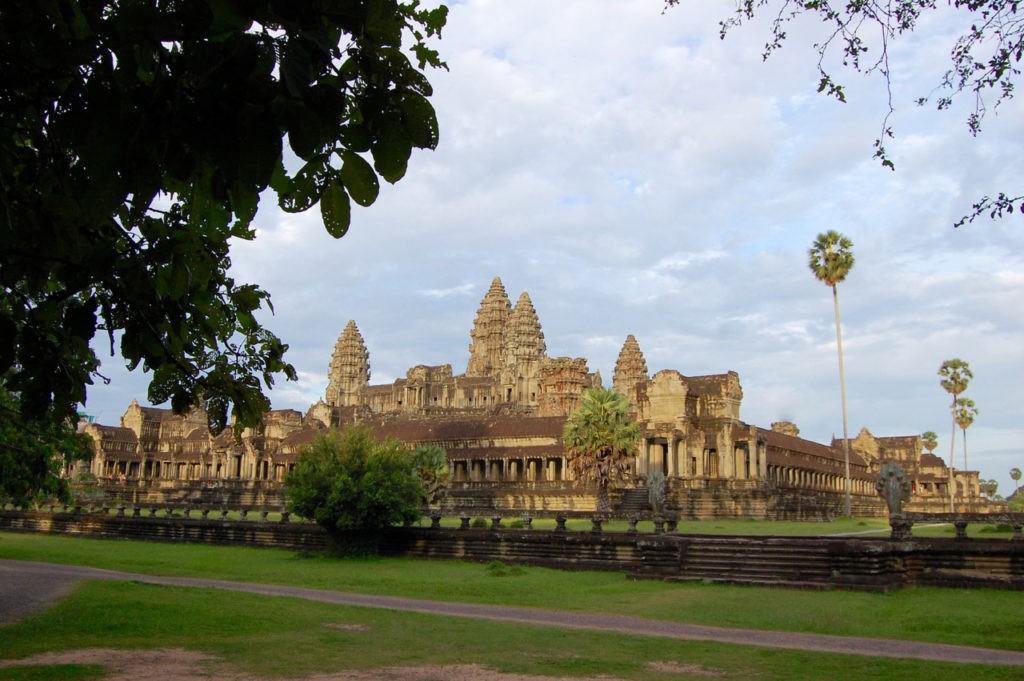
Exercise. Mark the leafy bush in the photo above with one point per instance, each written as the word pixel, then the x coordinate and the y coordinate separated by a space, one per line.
pixel 479 523
pixel 350 481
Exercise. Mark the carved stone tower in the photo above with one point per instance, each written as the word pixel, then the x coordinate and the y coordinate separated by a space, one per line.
pixel 522 354
pixel 630 370
pixel 488 332
pixel 349 373
pixel 562 382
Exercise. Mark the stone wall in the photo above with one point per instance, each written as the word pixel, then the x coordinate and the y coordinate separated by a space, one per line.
pixel 804 562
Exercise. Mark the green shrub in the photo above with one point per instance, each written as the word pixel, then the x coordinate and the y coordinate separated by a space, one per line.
pixel 350 481
pixel 479 523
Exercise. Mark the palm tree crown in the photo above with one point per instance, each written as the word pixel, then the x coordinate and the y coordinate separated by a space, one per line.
pixel 956 374
pixel 830 258
pixel 600 438
pixel 930 440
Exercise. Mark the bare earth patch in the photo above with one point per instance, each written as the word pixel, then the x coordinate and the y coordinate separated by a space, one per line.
pixel 680 668
pixel 176 664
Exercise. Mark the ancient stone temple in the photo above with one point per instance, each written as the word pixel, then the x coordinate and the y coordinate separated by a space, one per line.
pixel 500 422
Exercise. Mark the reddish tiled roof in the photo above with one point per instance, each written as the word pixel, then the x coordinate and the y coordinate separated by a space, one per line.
pixel 116 433
pixel 796 452
pixel 467 428
pixel 932 461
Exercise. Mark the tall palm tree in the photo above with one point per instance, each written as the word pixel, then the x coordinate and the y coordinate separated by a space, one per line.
pixel 831 259
pixel 600 439
pixel 956 374
pixel 1015 476
pixel 964 415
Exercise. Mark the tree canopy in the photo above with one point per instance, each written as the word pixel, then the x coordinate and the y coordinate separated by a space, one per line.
pixel 350 481
pixel 600 438
pixel 137 139
pixel 984 58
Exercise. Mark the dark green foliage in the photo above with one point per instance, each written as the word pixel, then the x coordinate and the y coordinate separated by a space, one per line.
pixel 136 140
pixel 431 463
pixel 600 439
pixel 32 452
pixel 350 481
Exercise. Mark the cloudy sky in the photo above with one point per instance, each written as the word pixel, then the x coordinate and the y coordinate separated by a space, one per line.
pixel 636 174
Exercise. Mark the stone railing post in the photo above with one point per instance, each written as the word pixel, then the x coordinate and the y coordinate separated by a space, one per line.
pixel 120 511
pixel 463 522
pixel 1017 536
pixel 263 514
pixel 136 512
pixel 659 525
pixel 527 522
pixel 152 511
pixel 245 513
pixel 435 520
pixel 902 528
pixel 187 512
pixel 595 524
pixel 633 520
pixel 560 523
pixel 672 525
pixel 285 516
pixel 495 522
pixel 205 513
pixel 961 528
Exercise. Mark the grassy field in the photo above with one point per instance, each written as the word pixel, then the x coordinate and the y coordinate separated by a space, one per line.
pixel 282 638
pixel 279 637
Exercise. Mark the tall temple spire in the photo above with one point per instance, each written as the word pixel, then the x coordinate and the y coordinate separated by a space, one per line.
pixel 523 339
pixel 349 371
pixel 489 331
pixel 523 352
pixel 630 369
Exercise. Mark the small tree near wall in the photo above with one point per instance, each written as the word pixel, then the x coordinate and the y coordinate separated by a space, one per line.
pixel 352 484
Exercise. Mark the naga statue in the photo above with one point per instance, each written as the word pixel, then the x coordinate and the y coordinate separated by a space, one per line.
pixel 894 487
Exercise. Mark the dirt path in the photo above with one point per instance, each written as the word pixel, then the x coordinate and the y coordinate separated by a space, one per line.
pixel 60 577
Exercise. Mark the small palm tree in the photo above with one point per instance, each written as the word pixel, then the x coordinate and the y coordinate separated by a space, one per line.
pixel 600 439
pixel 930 440
pixel 956 374
pixel 831 259
pixel 963 415
pixel 1015 476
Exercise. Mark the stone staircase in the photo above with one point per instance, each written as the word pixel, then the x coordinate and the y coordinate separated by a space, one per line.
pixel 633 502
pixel 759 561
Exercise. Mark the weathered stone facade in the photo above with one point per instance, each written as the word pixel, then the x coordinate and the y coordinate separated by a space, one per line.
pixel 501 423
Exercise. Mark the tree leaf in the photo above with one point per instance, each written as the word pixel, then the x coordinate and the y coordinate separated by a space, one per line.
pixel 391 151
pixel 335 209
pixel 359 179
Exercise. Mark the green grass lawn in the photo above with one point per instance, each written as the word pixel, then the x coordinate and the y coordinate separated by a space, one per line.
pixel 972 617
pixel 287 638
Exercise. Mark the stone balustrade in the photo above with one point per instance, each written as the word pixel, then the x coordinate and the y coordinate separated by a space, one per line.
pixel 494 521
pixel 903 523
